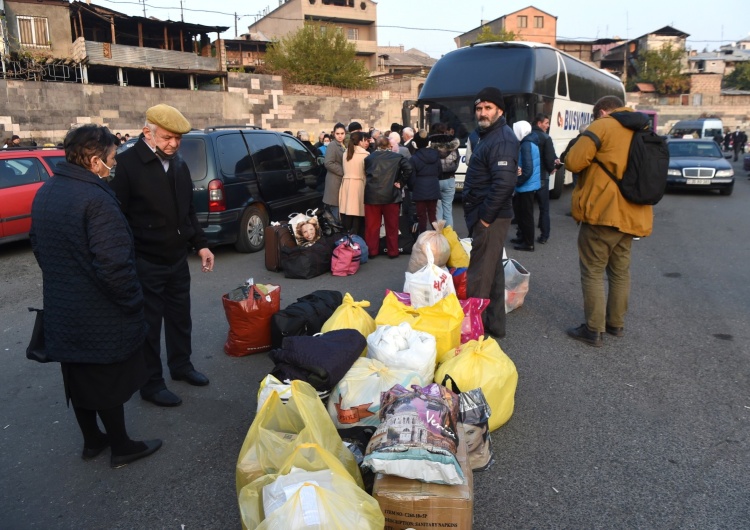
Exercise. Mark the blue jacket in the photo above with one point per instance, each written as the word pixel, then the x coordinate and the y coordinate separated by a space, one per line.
pixel 530 163
pixel 93 302
pixel 424 181
pixel 491 176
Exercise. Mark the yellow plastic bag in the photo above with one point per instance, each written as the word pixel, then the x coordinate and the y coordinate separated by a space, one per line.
pixel 458 257
pixel 442 320
pixel 351 315
pixel 315 507
pixel 277 429
pixel 482 363
pixel 307 456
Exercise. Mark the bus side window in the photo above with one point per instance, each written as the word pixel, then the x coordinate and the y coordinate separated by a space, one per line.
pixel 562 78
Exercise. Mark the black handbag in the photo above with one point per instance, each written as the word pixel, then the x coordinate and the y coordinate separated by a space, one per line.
pixel 35 350
pixel 306 262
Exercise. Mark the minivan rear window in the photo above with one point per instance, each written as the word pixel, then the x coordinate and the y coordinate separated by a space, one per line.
pixel 267 152
pixel 193 151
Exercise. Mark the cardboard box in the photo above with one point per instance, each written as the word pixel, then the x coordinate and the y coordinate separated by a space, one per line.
pixel 407 503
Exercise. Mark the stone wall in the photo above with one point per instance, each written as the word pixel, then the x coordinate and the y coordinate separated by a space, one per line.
pixel 708 84
pixel 44 112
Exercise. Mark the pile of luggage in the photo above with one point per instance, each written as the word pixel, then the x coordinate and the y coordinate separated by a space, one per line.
pixel 369 422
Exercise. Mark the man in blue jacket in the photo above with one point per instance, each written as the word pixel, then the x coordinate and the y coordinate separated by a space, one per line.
pixel 488 209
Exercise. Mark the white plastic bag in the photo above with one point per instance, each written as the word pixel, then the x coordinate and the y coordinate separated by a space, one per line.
pixel 401 347
pixel 433 240
pixel 516 284
pixel 428 285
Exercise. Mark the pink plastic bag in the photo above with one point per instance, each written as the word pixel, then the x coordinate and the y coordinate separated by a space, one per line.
pixel 472 327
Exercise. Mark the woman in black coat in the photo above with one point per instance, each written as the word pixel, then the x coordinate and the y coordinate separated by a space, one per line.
pixel 94 323
pixel 425 185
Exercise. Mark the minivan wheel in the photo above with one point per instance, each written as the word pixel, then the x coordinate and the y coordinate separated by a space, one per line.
pixel 252 227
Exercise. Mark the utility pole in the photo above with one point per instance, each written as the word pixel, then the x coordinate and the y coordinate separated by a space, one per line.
pixel 182 16
pixel 236 18
pixel 144 8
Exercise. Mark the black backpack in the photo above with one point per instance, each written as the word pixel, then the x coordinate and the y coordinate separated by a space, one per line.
pixel 645 177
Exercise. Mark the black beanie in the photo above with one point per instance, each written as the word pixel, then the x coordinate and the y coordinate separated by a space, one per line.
pixel 491 94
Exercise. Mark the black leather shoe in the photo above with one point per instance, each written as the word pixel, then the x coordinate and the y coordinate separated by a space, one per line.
pixel 541 240
pixel 617 332
pixel 120 461
pixel 193 377
pixel 516 241
pixel 163 398
pixel 584 334
pixel 525 248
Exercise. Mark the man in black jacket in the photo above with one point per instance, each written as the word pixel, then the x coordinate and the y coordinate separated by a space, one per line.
pixel 155 191
pixel 487 196
pixel 549 162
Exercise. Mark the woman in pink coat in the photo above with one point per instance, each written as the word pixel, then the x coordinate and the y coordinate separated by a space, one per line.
pixel 352 192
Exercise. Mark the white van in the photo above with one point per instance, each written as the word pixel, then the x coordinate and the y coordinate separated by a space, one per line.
pixel 698 128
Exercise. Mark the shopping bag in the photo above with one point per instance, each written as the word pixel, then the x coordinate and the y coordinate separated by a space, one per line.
pixel 428 285
pixel 351 315
pixel 278 429
pixel 458 256
pixel 442 320
pixel 474 413
pixel 482 363
pixel 355 401
pixel 271 384
pixel 404 348
pixel 516 284
pixel 250 320
pixel 309 457
pixel 346 258
pixel 459 281
pixel 436 242
pixel 472 326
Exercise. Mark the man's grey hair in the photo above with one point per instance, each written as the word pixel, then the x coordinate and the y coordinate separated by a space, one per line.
pixel 303 136
pixel 151 127
pixel 408 131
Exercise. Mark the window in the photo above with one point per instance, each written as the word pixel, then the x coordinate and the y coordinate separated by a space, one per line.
pixel 523 21
pixel 19 171
pixel 267 152
pixel 301 157
pixel 352 34
pixel 233 155
pixel 193 152
pixel 538 22
pixel 33 31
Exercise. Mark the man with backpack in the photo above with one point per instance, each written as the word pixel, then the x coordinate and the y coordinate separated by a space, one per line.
pixel 608 221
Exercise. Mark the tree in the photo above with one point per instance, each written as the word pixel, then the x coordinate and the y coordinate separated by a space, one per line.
pixel 504 35
pixel 663 68
pixel 317 54
pixel 739 78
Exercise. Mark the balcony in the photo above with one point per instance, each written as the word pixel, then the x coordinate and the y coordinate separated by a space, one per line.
pixel 118 55
pixel 365 47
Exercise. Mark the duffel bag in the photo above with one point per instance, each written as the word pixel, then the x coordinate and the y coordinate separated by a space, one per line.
pixel 306 262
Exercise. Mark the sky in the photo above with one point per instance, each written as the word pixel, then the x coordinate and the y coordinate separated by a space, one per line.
pixel 430 26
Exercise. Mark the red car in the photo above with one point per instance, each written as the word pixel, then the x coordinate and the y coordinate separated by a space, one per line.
pixel 22 172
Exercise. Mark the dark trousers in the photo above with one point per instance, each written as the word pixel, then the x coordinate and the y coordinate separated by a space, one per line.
pixel 485 277
pixel 426 214
pixel 352 223
pixel 389 214
pixel 523 210
pixel 737 150
pixel 542 199
pixel 166 290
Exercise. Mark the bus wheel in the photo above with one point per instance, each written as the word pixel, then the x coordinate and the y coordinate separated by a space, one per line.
pixel 557 190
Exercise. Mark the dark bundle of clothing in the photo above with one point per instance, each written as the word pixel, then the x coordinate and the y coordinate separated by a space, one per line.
pixel 321 361
pixel 304 317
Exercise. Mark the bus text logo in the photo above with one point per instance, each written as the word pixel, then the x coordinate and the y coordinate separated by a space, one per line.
pixel 574 119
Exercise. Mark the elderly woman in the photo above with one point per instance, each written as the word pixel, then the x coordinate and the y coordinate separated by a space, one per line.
pixel 93 303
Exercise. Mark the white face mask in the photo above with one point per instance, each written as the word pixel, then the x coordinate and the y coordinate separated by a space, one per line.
pixel 109 170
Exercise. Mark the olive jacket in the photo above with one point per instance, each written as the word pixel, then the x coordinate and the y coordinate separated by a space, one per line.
pixel 596 198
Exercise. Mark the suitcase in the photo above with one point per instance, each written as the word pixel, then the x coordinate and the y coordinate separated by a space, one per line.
pixel 277 237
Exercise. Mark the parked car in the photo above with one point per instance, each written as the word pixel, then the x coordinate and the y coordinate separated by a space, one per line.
pixel 698 164
pixel 23 170
pixel 245 178
pixel 746 162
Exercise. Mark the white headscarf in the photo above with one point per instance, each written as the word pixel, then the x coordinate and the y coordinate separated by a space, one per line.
pixel 521 128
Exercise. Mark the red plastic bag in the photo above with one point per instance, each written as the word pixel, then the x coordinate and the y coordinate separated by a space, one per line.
pixel 250 321
pixel 346 258
pixel 459 281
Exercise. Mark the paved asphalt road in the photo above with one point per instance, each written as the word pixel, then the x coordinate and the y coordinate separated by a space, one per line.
pixel 650 431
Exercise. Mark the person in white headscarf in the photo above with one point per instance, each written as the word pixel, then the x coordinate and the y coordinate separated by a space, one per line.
pixel 529 180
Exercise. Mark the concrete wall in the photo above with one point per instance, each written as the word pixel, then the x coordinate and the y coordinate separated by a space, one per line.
pixel 58 22
pixel 44 112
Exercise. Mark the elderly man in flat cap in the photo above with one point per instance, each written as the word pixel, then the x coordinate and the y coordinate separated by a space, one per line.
pixel 488 208
pixel 156 194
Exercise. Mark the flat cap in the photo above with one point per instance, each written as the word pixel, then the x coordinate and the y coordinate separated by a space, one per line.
pixel 491 94
pixel 168 118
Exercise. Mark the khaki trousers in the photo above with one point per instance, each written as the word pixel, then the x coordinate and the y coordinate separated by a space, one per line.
pixel 604 249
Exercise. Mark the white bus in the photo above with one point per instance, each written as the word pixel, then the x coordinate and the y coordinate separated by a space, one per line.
pixel 534 78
